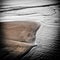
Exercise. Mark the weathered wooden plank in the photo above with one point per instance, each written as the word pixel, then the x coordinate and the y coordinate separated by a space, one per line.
pixel 48 17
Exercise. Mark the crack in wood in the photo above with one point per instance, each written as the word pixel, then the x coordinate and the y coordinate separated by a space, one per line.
pixel 20 8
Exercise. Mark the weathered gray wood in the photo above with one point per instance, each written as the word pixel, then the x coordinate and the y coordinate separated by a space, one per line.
pixel 48 17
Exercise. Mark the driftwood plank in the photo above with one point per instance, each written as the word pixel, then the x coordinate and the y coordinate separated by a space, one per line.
pixel 46 12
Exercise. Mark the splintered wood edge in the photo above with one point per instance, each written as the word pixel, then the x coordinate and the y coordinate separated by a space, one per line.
pixel 17 43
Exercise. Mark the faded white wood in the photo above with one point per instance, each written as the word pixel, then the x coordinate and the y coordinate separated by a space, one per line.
pixel 12 3
pixel 48 17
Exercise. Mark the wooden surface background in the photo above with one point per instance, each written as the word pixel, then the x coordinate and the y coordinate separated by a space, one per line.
pixel 46 12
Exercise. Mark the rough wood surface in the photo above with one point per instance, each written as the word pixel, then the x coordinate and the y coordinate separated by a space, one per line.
pixel 19 37
pixel 46 12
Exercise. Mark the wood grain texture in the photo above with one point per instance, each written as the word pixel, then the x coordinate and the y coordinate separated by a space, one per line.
pixel 19 37
pixel 46 12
